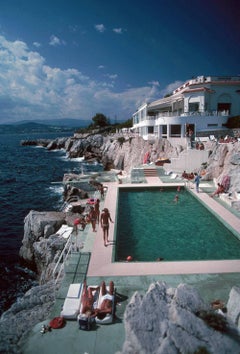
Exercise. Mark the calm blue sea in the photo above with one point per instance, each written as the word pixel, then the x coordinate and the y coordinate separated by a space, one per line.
pixel 26 183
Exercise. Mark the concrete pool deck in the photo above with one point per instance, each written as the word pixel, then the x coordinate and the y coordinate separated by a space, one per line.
pixel 213 280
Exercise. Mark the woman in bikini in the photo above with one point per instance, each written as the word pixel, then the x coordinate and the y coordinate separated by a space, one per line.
pixel 105 217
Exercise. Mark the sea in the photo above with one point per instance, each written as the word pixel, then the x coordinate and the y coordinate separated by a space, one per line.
pixel 30 179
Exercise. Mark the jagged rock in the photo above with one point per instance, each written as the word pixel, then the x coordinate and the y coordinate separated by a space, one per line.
pixel 73 194
pixel 39 142
pixel 85 146
pixel 46 254
pixel 36 225
pixel 167 320
pixel 235 159
pixel 58 143
pixel 224 161
pixel 32 308
pixel 233 306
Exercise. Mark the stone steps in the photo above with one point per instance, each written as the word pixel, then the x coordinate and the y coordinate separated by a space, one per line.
pixel 150 172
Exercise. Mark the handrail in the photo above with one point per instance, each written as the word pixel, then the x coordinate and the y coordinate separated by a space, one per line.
pixel 68 247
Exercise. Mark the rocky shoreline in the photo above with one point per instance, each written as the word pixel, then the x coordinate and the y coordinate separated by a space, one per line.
pixel 41 246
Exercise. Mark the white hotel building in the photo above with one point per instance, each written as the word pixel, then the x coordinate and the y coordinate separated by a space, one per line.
pixel 201 104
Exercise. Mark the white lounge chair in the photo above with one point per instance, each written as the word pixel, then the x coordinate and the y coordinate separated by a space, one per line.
pixel 71 306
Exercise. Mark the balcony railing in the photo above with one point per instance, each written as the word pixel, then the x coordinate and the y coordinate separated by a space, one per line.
pixel 186 114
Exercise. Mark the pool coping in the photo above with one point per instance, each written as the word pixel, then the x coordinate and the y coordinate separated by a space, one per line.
pixel 101 258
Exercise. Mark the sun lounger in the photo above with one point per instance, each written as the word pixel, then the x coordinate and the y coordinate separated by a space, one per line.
pixel 71 306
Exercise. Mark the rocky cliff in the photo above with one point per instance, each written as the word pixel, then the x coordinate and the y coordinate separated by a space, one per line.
pixel 115 151
pixel 123 152
pixel 224 160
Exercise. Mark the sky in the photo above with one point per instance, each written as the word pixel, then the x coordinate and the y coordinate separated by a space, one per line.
pixel 77 58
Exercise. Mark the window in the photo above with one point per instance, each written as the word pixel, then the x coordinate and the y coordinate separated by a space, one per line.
pixel 212 125
pixel 164 129
pixel 224 107
pixel 194 107
pixel 175 130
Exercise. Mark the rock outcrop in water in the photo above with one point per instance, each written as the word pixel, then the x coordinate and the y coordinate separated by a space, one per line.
pixel 41 246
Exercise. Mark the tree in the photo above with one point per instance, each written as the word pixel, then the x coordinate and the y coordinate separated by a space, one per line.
pixel 100 120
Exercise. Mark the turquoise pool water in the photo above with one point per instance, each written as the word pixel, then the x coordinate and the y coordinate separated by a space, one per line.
pixel 150 225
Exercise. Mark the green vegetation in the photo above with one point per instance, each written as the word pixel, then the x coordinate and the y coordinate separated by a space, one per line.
pixel 121 140
pixel 100 120
pixel 101 124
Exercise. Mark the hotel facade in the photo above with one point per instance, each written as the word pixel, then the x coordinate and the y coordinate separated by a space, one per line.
pixel 201 104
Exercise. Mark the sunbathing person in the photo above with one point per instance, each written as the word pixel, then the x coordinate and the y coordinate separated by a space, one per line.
pixel 106 305
pixel 219 190
pixel 88 300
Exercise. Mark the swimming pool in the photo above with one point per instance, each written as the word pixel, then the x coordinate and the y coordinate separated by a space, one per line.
pixel 151 225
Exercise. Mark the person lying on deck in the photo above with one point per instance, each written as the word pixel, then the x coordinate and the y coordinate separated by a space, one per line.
pixel 88 300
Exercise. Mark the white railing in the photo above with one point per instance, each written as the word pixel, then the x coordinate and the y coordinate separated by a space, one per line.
pixel 195 113
pixel 57 271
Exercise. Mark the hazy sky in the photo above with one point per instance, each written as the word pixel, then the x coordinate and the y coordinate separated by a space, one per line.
pixel 76 58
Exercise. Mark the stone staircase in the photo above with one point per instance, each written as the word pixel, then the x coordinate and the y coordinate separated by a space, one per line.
pixel 150 172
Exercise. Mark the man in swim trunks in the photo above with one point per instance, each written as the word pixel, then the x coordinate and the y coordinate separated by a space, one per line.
pixel 105 217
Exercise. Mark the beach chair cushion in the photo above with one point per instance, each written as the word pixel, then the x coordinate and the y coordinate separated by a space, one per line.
pixel 74 291
pixel 72 302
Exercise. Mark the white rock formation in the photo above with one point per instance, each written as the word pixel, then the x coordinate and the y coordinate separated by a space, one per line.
pixel 172 321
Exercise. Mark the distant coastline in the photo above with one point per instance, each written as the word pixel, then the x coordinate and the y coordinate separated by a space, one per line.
pixel 27 128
